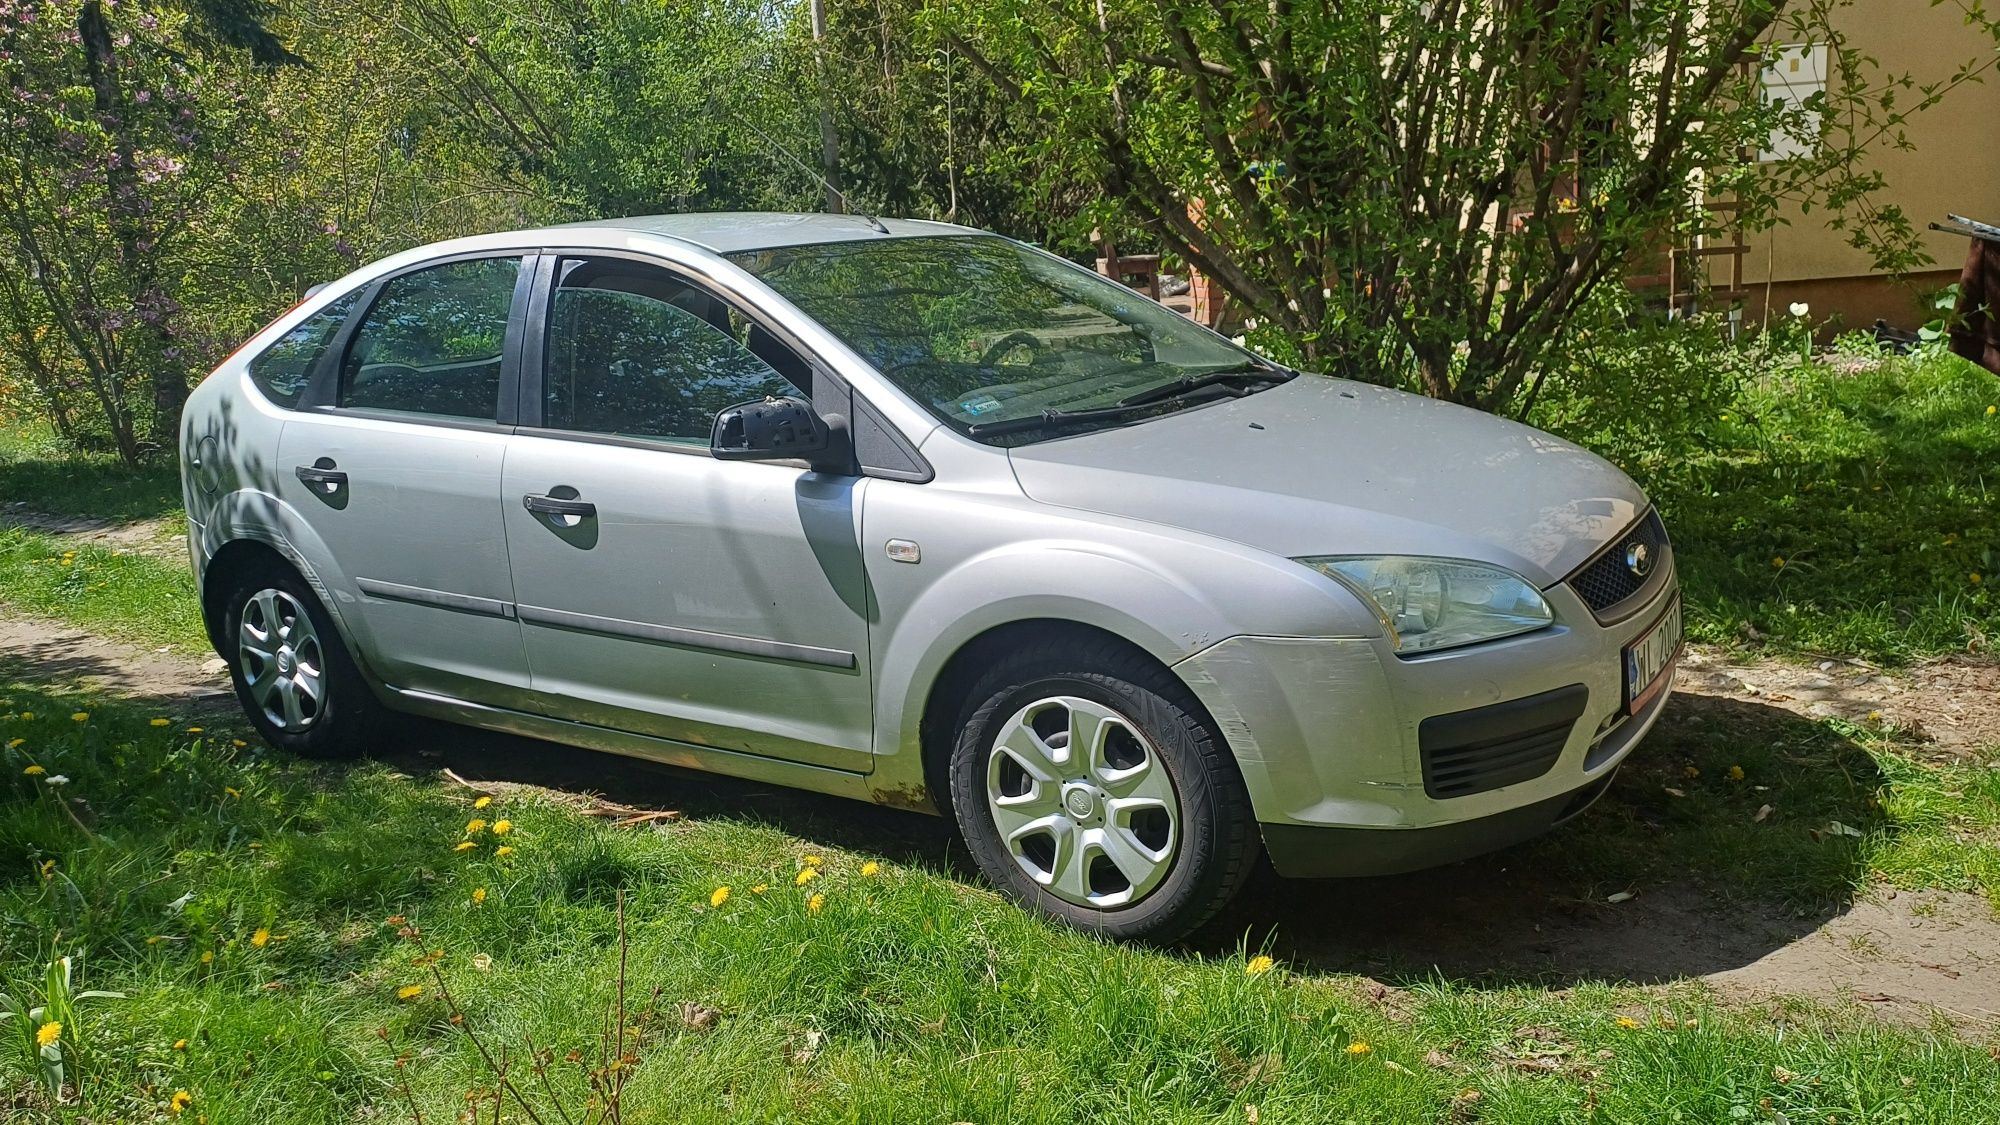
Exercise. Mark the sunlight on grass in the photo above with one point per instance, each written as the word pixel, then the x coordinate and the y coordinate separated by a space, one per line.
pixel 122 594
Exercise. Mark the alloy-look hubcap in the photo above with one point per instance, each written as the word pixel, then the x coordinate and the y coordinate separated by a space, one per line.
pixel 282 661
pixel 1083 802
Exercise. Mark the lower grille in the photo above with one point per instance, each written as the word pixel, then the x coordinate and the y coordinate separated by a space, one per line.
pixel 1610 584
pixel 1475 751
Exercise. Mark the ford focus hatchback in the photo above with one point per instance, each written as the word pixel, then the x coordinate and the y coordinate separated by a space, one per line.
pixel 918 515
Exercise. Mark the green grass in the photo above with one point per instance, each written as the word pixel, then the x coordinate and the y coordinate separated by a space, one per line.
pixel 133 596
pixel 35 468
pixel 908 996
pixel 1843 508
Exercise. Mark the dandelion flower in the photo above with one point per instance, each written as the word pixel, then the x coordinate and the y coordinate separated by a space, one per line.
pixel 35 771
pixel 760 888
pixel 478 895
pixel 464 846
pixel 194 730
pixel 502 826
pixel 179 1102
pixel 409 992
pixel 805 875
pixel 1973 578
pixel 1692 772
pixel 871 869
pixel 15 743
pixel 231 791
pixel 1992 410
pixel 180 1044
pixel 482 802
pixel 1358 1048
pixel 48 1033
pixel 720 896
pixel 1628 1023
pixel 48 868
pixel 811 860
pixel 27 716
pixel 1259 965
pixel 162 722
pixel 503 850
pixel 261 938
pixel 1736 773
pixel 208 956
pixel 1777 562
pixel 474 826
pixel 79 717
pixel 814 903
pixel 238 743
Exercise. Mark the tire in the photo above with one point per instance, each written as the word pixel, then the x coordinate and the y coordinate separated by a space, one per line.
pixel 1143 838
pixel 293 675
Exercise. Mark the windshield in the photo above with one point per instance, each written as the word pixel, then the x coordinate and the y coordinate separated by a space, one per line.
pixel 983 330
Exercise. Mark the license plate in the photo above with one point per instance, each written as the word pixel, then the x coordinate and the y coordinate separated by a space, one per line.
pixel 1649 659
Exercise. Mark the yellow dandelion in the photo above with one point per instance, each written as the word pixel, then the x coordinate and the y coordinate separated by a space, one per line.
pixel 48 1033
pixel 180 1044
pixel 502 827
pixel 1973 578
pixel 1358 1048
pixel 805 875
pixel 760 888
pixel 261 938
pixel 179 1102
pixel 871 869
pixel 1778 562
pixel 161 722
pixel 811 860
pixel 464 846
pixel 27 716
pixel 1259 965
pixel 15 743
pixel 231 791
pixel 1692 772
pixel 503 850
pixel 208 956
pixel 482 802
pixel 79 716
pixel 34 771
pixel 1874 716
pixel 238 743
pixel 1736 773
pixel 409 992
pixel 48 868
pixel 1628 1023
pixel 1992 410
pixel 720 896
pixel 478 895
pixel 474 826
pixel 814 903
pixel 195 730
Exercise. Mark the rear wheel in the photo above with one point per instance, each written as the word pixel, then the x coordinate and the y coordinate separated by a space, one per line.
pixel 1088 786
pixel 291 671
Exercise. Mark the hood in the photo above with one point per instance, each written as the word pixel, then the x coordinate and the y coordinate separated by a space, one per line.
pixel 1322 466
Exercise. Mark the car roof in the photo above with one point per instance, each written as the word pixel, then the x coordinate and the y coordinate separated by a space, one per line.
pixel 726 232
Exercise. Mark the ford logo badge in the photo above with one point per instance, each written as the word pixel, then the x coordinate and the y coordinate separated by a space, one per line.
pixel 1638 559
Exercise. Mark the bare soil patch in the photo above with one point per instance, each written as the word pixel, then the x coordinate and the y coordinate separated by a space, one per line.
pixel 162 537
pixel 1949 706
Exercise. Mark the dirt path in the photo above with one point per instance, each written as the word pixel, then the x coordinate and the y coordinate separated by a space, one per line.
pixel 163 537
pixel 1904 956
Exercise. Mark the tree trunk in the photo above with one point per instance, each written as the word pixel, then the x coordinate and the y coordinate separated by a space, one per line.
pixel 149 341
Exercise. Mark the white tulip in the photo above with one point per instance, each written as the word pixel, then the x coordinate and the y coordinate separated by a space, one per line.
pixel 1800 308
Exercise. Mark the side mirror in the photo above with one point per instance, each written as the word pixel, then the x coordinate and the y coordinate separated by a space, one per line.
pixel 771 429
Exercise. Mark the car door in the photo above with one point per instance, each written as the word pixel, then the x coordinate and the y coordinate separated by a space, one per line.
pixel 394 463
pixel 660 590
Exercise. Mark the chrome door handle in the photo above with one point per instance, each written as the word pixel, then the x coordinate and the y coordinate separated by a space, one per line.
pixel 545 505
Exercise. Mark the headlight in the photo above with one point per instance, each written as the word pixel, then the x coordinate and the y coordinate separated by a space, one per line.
pixel 1429 604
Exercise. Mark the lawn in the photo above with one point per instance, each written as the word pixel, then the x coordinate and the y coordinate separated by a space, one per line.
pixel 298 942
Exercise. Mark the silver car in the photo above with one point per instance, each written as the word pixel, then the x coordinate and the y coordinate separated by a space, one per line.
pixel 922 516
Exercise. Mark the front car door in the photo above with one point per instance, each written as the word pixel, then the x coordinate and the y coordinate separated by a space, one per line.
pixel 661 591
pixel 394 461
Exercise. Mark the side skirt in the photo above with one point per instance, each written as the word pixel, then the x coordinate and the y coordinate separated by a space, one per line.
pixel 751 767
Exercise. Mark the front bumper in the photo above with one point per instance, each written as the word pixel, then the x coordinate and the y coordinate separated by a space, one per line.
pixel 1326 733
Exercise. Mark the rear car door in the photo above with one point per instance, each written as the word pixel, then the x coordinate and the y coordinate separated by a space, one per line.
pixel 394 461
pixel 662 591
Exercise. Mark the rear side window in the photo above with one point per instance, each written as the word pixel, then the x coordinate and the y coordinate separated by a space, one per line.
pixel 432 342
pixel 284 368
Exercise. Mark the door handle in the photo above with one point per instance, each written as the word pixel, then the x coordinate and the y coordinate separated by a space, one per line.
pixel 323 474
pixel 544 505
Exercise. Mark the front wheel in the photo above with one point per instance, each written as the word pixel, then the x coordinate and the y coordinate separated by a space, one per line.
pixel 292 673
pixel 1088 786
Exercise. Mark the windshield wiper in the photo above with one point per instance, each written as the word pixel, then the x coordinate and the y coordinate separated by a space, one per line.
pixel 1188 384
pixel 1055 418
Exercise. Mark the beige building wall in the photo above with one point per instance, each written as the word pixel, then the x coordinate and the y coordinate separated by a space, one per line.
pixel 1953 168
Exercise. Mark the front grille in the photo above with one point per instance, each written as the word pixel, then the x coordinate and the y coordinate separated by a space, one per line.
pixel 1469 752
pixel 1607 584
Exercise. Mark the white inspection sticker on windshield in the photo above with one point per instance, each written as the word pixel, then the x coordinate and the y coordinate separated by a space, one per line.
pixel 984 404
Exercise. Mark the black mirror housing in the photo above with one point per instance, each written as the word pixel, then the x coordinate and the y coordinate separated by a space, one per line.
pixel 770 429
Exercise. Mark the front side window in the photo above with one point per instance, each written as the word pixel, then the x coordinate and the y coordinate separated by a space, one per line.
pixel 996 338
pixel 636 352
pixel 431 343
pixel 282 370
